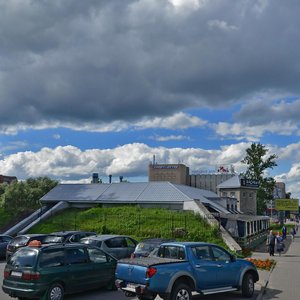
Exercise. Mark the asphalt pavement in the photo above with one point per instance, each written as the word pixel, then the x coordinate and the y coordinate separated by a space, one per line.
pixel 283 282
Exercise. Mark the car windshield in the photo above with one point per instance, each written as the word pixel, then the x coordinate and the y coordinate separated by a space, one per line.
pixel 88 241
pixel 146 246
pixel 53 239
pixel 23 258
pixel 20 240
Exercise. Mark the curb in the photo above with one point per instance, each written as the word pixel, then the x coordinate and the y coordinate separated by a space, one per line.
pixel 264 286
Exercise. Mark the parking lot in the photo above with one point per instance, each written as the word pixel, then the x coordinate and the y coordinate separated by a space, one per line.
pixel 118 295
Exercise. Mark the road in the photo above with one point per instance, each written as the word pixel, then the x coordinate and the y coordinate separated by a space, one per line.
pixel 118 295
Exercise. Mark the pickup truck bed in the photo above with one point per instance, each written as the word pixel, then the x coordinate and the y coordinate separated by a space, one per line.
pixel 149 261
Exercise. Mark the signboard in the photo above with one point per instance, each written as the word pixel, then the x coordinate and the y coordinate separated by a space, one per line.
pixel 165 166
pixel 249 182
pixel 286 204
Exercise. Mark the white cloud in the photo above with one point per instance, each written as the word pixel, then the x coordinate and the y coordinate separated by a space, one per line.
pixel 71 163
pixel 177 121
pixel 241 131
pixel 170 138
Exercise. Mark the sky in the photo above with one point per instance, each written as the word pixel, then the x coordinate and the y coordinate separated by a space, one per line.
pixel 102 86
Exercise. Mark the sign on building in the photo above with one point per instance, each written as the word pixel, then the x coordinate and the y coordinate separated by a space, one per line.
pixel 287 204
pixel 249 182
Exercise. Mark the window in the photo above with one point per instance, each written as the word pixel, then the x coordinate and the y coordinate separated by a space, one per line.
pixel 250 195
pixel 130 242
pixel 172 252
pixel 201 252
pixel 23 258
pixel 118 242
pixel 220 254
pixel 224 194
pixel 232 194
pixel 6 239
pixel 76 256
pixel 52 258
pixel 97 255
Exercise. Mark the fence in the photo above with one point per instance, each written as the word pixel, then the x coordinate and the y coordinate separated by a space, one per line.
pixel 175 225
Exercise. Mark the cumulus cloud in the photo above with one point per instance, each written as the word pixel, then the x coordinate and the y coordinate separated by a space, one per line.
pixel 241 131
pixel 107 62
pixel 177 121
pixel 170 138
pixel 71 163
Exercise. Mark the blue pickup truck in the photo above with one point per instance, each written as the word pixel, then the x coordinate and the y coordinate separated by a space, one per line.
pixel 183 267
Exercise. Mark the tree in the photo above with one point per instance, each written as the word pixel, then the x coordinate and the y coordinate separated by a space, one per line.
pixel 25 195
pixel 258 163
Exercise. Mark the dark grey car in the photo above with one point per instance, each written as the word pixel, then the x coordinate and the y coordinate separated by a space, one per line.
pixel 119 246
pixel 71 236
pixel 22 241
pixel 4 240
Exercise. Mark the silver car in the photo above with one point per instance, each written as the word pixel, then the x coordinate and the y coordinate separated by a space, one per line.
pixel 119 246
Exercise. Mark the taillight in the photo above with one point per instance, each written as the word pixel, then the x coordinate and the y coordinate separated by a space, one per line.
pixel 6 273
pixel 31 275
pixel 150 272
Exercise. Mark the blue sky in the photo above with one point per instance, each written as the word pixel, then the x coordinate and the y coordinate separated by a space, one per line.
pixel 102 86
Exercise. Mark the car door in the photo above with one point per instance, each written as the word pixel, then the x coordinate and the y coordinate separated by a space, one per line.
pixel 131 244
pixel 228 269
pixel 117 247
pixel 103 267
pixel 79 269
pixel 204 267
pixel 51 266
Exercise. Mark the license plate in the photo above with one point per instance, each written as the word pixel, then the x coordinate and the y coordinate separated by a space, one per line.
pixel 131 286
pixel 16 274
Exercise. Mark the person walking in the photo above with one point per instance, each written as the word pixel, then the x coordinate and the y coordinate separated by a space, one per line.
pixel 279 244
pixel 271 243
pixel 293 232
pixel 283 231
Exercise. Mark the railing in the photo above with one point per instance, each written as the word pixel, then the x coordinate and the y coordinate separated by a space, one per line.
pixel 252 241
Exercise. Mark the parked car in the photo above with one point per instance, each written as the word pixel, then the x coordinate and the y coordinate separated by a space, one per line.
pixel 147 246
pixel 49 271
pixel 67 236
pixel 119 246
pixel 22 241
pixel 4 240
pixel 184 267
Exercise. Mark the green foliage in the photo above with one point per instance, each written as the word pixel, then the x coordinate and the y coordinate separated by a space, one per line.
pixel 23 196
pixel 258 163
pixel 4 217
pixel 135 221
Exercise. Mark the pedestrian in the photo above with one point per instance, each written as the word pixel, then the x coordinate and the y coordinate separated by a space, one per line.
pixel 271 243
pixel 293 232
pixel 283 231
pixel 279 244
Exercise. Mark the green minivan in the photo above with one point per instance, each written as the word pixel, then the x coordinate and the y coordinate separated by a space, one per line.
pixel 50 271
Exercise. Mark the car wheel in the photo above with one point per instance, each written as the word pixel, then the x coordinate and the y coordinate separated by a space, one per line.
pixel 248 285
pixel 55 292
pixel 181 292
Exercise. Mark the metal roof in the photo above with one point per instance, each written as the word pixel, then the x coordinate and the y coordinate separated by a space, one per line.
pixel 125 192
pixel 233 182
